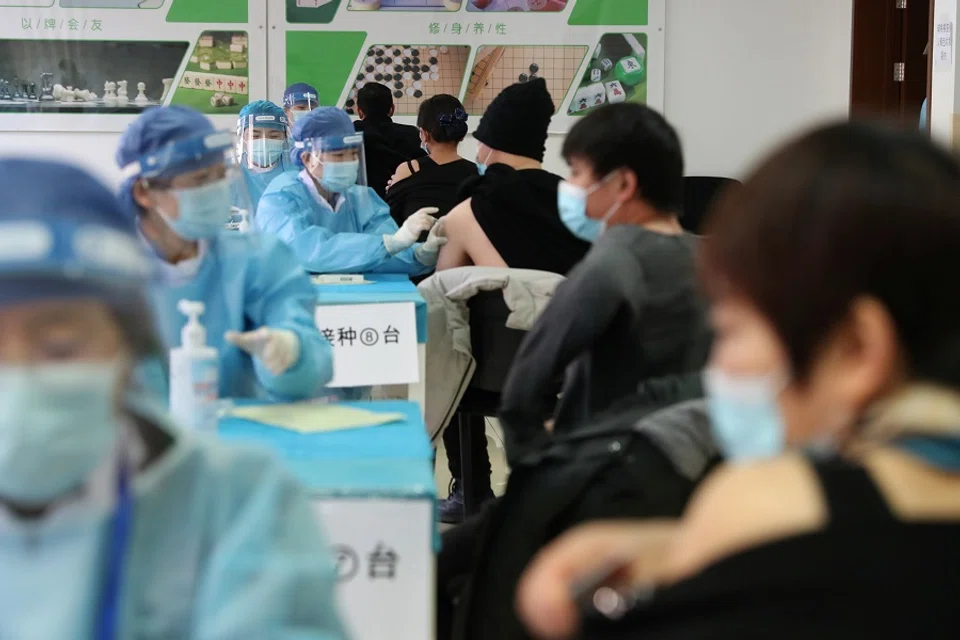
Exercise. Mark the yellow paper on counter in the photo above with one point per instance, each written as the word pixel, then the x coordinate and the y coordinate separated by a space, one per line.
pixel 314 418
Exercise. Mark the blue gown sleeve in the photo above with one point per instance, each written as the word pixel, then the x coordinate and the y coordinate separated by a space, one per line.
pixel 323 251
pixel 270 572
pixel 376 220
pixel 279 295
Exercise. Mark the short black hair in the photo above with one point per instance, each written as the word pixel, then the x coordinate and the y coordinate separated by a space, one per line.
pixel 849 210
pixel 375 100
pixel 444 118
pixel 632 136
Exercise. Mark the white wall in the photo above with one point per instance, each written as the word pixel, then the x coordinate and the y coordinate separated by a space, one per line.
pixel 740 76
pixel 944 99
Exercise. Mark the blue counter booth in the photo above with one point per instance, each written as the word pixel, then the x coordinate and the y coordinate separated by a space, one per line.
pixel 373 487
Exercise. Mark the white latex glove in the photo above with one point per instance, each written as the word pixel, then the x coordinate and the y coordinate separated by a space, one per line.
pixel 410 232
pixel 428 253
pixel 277 349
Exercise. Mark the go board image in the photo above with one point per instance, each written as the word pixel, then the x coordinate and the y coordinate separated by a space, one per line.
pixel 405 5
pixel 617 73
pixel 312 11
pixel 497 68
pixel 412 72
pixel 495 6
pixel 216 80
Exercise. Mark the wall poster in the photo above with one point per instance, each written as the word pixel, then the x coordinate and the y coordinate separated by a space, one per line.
pixel 590 52
pixel 93 65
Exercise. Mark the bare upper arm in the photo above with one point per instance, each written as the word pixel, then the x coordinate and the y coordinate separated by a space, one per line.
pixel 742 506
pixel 467 243
pixel 403 172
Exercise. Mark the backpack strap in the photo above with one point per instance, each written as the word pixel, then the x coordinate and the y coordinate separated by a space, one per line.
pixel 851 495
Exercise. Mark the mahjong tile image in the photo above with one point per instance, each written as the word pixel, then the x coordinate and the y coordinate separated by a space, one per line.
pixel 494 6
pixel 312 11
pixel 413 72
pixel 405 5
pixel 497 68
pixel 617 73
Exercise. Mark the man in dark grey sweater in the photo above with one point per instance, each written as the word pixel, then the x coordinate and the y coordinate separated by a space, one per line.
pixel 630 311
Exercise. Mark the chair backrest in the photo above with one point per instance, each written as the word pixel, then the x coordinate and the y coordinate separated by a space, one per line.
pixel 494 344
pixel 699 193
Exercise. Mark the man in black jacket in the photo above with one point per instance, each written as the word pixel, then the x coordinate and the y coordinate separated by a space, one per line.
pixel 387 144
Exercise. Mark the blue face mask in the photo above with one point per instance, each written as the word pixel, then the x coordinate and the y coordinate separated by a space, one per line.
pixel 58 422
pixel 203 211
pixel 340 176
pixel 266 152
pixel 572 203
pixel 482 166
pixel 744 414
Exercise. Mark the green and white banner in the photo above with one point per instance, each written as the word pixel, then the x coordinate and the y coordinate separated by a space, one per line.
pixel 93 65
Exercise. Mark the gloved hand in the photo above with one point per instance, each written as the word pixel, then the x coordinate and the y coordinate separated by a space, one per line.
pixel 408 234
pixel 277 349
pixel 428 253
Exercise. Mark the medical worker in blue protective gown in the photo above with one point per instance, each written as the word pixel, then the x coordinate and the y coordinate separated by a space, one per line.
pixel 262 147
pixel 113 523
pixel 299 99
pixel 333 222
pixel 259 301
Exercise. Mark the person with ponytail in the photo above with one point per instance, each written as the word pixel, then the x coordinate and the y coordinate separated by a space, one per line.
pixel 434 180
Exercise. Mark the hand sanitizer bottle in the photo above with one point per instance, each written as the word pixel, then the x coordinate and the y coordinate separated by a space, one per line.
pixel 194 374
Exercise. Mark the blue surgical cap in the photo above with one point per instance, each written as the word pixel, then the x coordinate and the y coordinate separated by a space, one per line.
pixel 300 93
pixel 63 234
pixel 330 123
pixel 266 110
pixel 154 129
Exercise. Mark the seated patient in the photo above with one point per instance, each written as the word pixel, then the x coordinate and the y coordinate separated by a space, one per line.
pixel 113 522
pixel 631 310
pixel 834 391
pixel 387 143
pixel 433 180
pixel 258 300
pixel 333 222
pixel 511 217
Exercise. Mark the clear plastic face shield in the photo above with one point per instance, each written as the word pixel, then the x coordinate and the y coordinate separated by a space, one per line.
pixel 263 143
pixel 337 163
pixel 297 105
pixel 195 184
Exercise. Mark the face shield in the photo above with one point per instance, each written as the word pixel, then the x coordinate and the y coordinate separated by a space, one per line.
pixel 336 162
pixel 298 105
pixel 263 143
pixel 194 184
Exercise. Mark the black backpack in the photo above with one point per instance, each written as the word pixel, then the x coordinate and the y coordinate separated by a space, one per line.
pixel 613 469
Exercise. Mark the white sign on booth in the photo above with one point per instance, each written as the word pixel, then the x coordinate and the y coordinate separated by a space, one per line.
pixel 943 43
pixel 373 344
pixel 385 565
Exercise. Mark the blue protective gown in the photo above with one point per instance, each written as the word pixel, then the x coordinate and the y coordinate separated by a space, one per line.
pixel 224 546
pixel 247 282
pixel 348 239
pixel 258 181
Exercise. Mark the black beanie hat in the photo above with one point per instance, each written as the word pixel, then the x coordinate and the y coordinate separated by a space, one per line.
pixel 517 120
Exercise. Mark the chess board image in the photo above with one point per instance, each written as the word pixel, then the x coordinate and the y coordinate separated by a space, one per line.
pixel 412 72
pixel 497 68
pixel 405 5
pixel 495 6
pixel 617 73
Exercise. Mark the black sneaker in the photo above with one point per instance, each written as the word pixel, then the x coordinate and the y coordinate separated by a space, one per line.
pixel 451 510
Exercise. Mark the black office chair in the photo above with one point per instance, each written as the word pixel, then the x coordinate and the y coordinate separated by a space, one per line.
pixel 699 194
pixel 494 348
